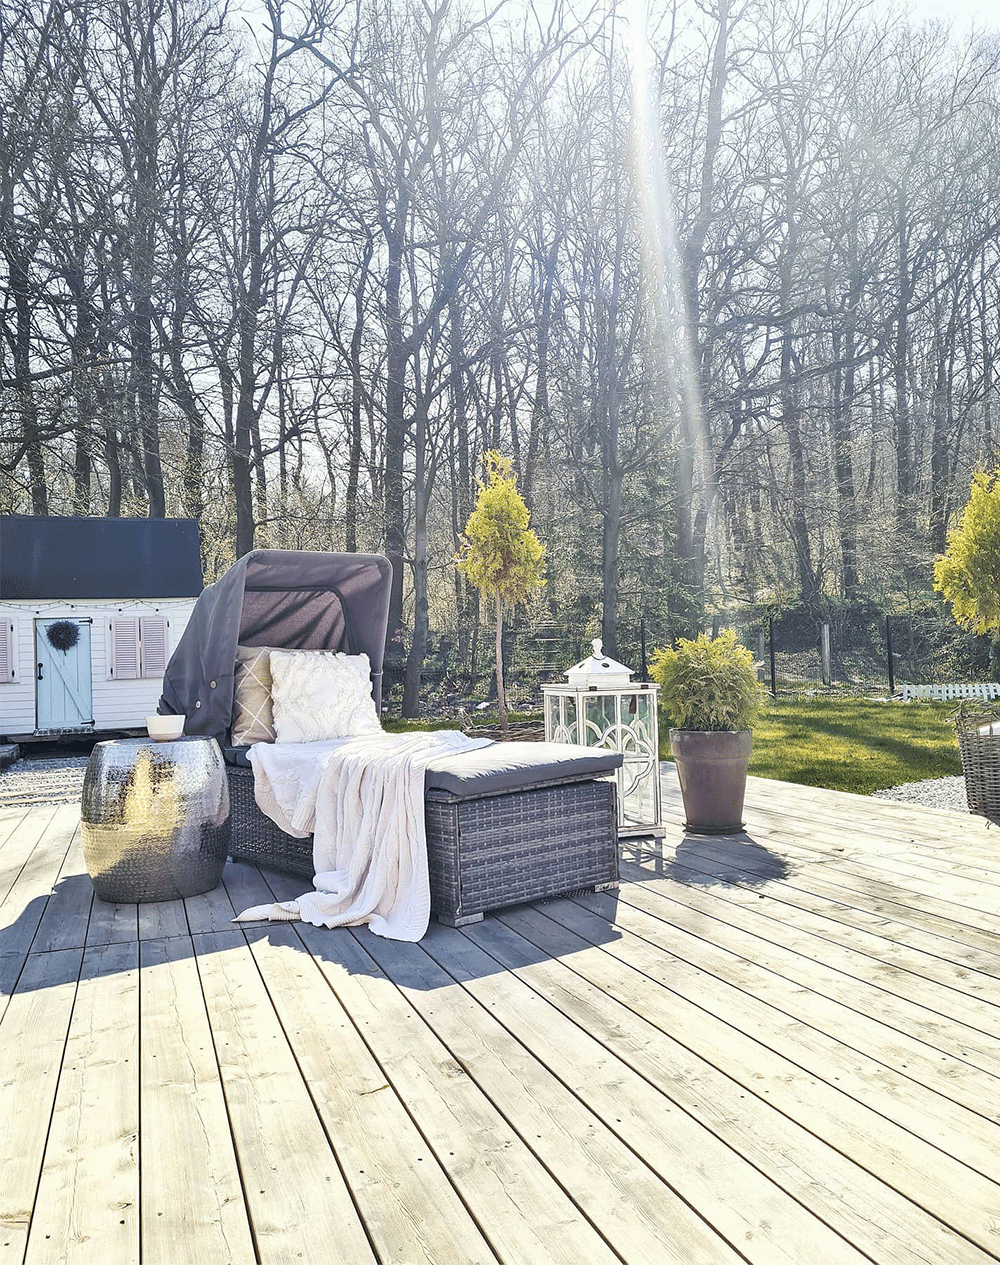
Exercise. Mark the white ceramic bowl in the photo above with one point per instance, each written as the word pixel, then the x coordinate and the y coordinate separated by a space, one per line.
pixel 164 728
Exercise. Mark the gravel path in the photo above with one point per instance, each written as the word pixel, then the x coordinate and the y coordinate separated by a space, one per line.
pixel 59 780
pixel 43 780
pixel 935 792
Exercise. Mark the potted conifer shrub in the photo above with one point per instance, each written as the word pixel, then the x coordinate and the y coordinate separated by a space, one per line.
pixel 968 576
pixel 711 696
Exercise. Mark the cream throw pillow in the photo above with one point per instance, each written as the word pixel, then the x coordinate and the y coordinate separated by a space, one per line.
pixel 252 716
pixel 318 695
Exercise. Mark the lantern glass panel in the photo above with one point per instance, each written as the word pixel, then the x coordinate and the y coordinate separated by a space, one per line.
pixel 552 702
pixel 571 718
pixel 640 751
pixel 600 713
pixel 641 717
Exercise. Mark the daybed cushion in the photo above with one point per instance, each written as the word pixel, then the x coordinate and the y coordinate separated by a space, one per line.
pixel 514 766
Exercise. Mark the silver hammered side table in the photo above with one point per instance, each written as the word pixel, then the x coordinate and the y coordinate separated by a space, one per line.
pixel 155 818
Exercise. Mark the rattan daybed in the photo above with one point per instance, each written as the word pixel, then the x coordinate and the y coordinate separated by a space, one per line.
pixel 507 823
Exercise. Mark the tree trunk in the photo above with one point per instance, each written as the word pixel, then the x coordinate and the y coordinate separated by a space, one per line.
pixel 843 399
pixel 25 393
pixel 142 262
pixel 81 351
pixel 395 440
pixel 905 510
pixel 418 642
pixel 942 433
pixel 611 476
pixel 540 408
pixel 357 402
pixel 466 603
pixel 501 695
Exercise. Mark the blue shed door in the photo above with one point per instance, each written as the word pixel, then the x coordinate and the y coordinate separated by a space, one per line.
pixel 62 674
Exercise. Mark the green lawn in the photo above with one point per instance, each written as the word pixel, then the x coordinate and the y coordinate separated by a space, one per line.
pixel 840 742
pixel 851 744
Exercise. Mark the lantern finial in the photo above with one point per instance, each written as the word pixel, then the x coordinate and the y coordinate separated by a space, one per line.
pixel 598 647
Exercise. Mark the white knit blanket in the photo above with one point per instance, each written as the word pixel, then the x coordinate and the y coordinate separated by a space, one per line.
pixel 362 799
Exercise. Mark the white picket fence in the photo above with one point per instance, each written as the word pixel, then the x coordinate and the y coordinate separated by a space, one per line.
pixel 986 690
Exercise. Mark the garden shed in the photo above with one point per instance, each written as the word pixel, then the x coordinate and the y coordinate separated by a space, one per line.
pixel 90 611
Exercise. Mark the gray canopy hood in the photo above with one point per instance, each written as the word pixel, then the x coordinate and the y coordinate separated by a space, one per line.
pixel 294 599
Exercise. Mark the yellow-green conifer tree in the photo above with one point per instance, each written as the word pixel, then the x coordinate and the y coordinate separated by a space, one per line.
pixel 501 556
pixel 968 573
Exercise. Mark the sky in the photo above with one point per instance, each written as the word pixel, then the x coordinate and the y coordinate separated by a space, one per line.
pixel 984 13
pixel 963 13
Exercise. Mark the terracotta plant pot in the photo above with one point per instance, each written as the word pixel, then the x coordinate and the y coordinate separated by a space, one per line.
pixel 712 770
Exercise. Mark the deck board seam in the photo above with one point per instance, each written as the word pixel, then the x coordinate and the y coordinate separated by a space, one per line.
pixel 549 1071
pixel 538 907
pixel 787 883
pixel 812 857
pixel 737 1085
pixel 222 1085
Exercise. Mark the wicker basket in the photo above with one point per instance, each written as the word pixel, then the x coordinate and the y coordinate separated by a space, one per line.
pixel 981 766
pixel 483 851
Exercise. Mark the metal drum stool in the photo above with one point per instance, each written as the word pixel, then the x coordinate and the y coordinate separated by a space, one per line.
pixel 155 818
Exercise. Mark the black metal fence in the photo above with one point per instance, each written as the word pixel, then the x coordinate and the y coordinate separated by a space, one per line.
pixel 532 658
pixel 864 650
pixel 860 650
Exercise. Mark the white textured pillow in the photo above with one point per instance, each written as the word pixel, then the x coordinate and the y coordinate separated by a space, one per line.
pixel 317 695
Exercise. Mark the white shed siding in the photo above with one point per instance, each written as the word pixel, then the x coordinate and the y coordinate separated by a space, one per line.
pixel 117 704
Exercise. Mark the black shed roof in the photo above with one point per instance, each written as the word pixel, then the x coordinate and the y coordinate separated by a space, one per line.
pixel 68 559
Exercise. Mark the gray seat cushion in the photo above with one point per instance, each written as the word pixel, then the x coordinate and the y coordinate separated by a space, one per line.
pixel 515 766
pixel 238 756
pixel 502 766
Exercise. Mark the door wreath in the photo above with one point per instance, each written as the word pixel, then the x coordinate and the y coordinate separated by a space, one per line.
pixel 63 634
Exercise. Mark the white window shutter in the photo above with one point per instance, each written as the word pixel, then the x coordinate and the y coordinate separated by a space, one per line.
pixel 8 669
pixel 153 635
pixel 125 648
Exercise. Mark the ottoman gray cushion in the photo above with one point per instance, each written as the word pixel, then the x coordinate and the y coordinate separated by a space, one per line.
pixel 239 756
pixel 515 766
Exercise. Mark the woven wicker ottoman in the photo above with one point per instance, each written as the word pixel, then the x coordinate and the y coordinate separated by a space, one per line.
pixel 510 823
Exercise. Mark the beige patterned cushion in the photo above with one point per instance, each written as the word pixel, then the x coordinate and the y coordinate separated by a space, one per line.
pixel 318 695
pixel 253 719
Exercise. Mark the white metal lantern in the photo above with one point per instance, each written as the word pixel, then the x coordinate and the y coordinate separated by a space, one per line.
pixel 600 706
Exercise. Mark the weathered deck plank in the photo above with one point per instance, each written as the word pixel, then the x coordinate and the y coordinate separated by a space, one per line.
pixel 773 1048
pixel 866 1020
pixel 87 1206
pixel 192 1200
pixel 24 905
pixel 887 897
pixel 283 1153
pixel 20 844
pixel 32 1043
pixel 522 1212
pixel 624 975
pixel 11 817
pixel 620 1193
pixel 892 993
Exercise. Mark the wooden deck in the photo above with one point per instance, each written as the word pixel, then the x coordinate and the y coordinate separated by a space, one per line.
pixel 780 1048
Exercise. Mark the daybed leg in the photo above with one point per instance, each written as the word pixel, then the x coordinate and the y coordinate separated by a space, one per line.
pixel 461 920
